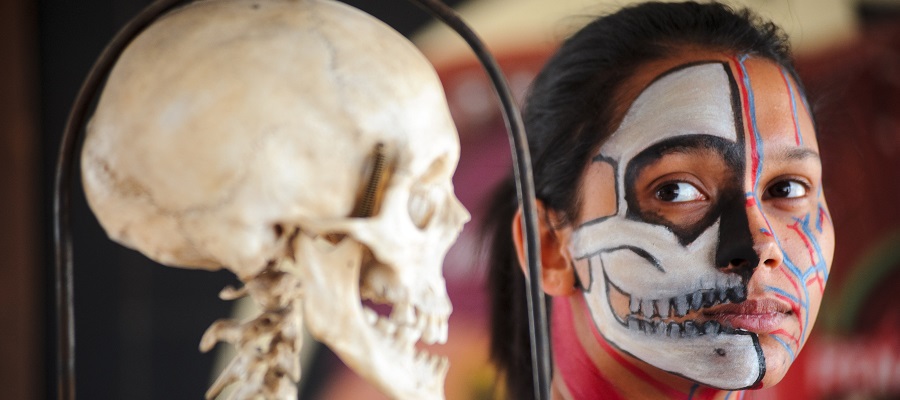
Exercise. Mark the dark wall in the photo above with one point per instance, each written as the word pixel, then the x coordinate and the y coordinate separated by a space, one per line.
pixel 138 324
pixel 20 316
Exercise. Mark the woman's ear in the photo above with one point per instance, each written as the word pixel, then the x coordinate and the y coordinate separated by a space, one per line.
pixel 557 271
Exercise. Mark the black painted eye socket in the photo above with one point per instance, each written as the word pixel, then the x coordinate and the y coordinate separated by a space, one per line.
pixel 685 183
pixel 786 190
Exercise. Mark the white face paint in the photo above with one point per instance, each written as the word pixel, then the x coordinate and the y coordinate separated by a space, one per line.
pixel 643 279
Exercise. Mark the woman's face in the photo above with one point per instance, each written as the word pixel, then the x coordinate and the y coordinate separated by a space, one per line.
pixel 704 242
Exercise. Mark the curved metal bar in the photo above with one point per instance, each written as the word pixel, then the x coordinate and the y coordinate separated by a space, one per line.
pixel 62 192
pixel 537 313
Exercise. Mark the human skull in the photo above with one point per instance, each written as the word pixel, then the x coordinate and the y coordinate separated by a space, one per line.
pixel 304 146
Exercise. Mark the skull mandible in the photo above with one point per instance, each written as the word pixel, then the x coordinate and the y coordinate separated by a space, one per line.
pixel 304 146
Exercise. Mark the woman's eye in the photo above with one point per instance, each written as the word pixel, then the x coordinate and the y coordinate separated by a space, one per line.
pixel 678 192
pixel 786 190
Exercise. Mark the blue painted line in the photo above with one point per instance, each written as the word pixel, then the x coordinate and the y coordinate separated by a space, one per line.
pixel 801 281
pixel 783 293
pixel 785 345
pixel 752 103
pixel 819 219
pixel 693 390
pixel 792 268
pixel 820 263
pixel 793 107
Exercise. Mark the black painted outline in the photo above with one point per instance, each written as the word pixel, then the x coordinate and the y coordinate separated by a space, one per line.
pixel 637 250
pixel 743 246
pixel 590 261
pixel 753 337
pixel 686 235
pixel 679 68
pixel 739 130
pixel 615 167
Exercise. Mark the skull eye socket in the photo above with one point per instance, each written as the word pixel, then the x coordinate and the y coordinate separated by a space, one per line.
pixel 424 195
pixel 421 206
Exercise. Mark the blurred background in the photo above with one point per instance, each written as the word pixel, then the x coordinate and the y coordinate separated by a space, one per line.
pixel 139 324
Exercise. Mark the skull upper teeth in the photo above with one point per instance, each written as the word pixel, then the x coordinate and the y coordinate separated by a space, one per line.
pixel 407 325
pixel 667 316
pixel 403 313
pixel 370 315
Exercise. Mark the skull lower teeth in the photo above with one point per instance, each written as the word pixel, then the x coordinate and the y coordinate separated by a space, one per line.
pixel 680 316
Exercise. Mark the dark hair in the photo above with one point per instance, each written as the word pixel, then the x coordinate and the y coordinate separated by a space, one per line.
pixel 569 113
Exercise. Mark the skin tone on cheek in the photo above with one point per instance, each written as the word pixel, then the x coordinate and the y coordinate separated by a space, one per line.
pixel 785 204
pixel 768 177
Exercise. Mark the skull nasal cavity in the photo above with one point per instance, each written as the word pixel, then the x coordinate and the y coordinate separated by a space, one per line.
pixel 739 263
pixel 735 251
pixel 736 256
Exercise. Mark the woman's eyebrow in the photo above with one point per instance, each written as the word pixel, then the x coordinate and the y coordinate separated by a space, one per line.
pixel 690 145
pixel 692 148
pixel 797 153
pixel 704 146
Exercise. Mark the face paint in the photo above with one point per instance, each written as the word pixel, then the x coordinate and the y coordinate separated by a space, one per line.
pixel 784 203
pixel 668 267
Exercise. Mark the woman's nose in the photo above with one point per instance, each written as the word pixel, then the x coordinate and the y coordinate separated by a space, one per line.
pixel 765 243
pixel 746 240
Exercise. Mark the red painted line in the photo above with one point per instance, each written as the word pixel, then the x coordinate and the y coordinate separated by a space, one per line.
pixel 579 373
pixel 795 308
pixel 669 391
pixel 748 119
pixel 812 255
pixel 817 278
pixel 706 394
pixel 793 282
pixel 784 333
pixel 787 86
pixel 750 203
pixel 823 214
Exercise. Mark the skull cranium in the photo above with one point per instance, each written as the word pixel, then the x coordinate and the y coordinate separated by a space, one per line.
pixel 301 143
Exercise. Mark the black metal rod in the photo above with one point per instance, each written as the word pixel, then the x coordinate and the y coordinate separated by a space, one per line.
pixel 72 137
pixel 537 313
pixel 62 192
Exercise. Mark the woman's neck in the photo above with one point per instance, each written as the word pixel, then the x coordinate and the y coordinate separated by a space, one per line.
pixel 586 366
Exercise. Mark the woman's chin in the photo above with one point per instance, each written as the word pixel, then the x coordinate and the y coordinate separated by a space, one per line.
pixel 778 360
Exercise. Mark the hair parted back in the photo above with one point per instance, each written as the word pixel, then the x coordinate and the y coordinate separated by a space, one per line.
pixel 571 110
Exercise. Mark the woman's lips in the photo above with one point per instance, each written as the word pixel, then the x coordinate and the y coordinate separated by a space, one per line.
pixel 759 316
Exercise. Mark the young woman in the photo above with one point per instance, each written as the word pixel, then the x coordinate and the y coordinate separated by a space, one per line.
pixel 685 238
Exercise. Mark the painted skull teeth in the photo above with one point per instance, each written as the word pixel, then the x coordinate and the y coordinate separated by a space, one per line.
pixel 675 329
pixel 676 316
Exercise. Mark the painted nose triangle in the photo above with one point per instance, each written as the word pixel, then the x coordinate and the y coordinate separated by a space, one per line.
pixel 735 252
